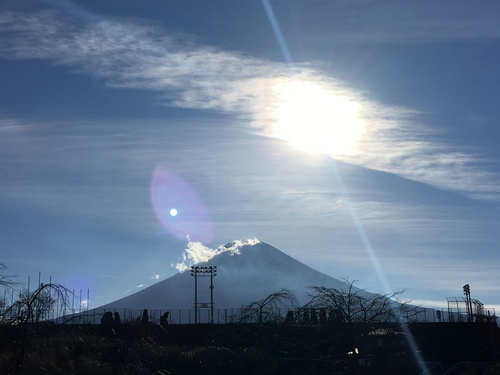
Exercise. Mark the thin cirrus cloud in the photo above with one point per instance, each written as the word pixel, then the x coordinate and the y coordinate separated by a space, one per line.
pixel 134 54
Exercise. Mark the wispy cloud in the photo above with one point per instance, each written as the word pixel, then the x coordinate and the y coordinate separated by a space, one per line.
pixel 157 276
pixel 134 54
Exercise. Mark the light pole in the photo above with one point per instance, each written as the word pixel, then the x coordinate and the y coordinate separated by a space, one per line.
pixel 213 272
pixel 194 272
pixel 468 302
pixel 203 271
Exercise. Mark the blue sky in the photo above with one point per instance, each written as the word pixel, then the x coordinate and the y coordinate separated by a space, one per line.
pixel 112 113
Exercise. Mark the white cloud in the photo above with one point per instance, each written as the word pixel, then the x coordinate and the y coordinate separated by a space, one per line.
pixel 196 252
pixel 131 54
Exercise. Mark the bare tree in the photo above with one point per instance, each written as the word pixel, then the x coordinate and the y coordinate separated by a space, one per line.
pixel 268 309
pixel 6 280
pixel 34 307
pixel 354 305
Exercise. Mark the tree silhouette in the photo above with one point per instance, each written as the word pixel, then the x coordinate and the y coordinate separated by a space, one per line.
pixel 7 283
pixel 33 307
pixel 354 305
pixel 267 309
pixel 6 280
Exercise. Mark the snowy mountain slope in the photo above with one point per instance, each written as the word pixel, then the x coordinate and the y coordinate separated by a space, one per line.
pixel 244 274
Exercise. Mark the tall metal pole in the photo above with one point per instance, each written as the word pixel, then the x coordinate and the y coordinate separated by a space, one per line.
pixel 196 296
pixel 194 272
pixel 468 302
pixel 211 295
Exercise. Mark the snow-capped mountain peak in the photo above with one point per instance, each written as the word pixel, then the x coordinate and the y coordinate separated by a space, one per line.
pixel 246 271
pixel 196 252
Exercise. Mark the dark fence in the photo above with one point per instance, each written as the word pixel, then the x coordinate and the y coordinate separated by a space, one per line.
pixel 175 316
pixel 234 315
pixel 240 315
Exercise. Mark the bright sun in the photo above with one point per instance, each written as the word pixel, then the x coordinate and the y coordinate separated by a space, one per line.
pixel 314 119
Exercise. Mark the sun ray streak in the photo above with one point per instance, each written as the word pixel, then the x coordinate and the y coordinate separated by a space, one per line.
pixel 361 230
pixel 357 222
pixel 374 260
pixel 277 32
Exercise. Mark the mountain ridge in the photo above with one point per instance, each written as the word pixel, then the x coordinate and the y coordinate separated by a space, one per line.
pixel 245 273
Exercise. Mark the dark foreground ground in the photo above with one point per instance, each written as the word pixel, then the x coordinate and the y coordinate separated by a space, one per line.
pixel 466 348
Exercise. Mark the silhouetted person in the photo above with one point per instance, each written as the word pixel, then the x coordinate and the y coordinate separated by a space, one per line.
pixel 289 317
pixel 107 319
pixel 107 323
pixel 118 320
pixel 164 319
pixel 145 317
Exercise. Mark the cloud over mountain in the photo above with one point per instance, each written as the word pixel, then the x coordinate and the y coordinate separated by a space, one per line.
pixel 246 271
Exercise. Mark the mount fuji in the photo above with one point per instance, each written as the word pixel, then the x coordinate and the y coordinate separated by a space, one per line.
pixel 246 272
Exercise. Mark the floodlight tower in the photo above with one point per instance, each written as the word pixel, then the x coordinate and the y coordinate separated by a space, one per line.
pixel 203 271
pixel 468 302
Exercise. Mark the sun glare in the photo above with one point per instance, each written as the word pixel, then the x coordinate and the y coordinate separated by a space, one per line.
pixel 313 118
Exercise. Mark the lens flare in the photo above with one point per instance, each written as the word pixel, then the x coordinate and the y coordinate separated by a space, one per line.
pixel 189 219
